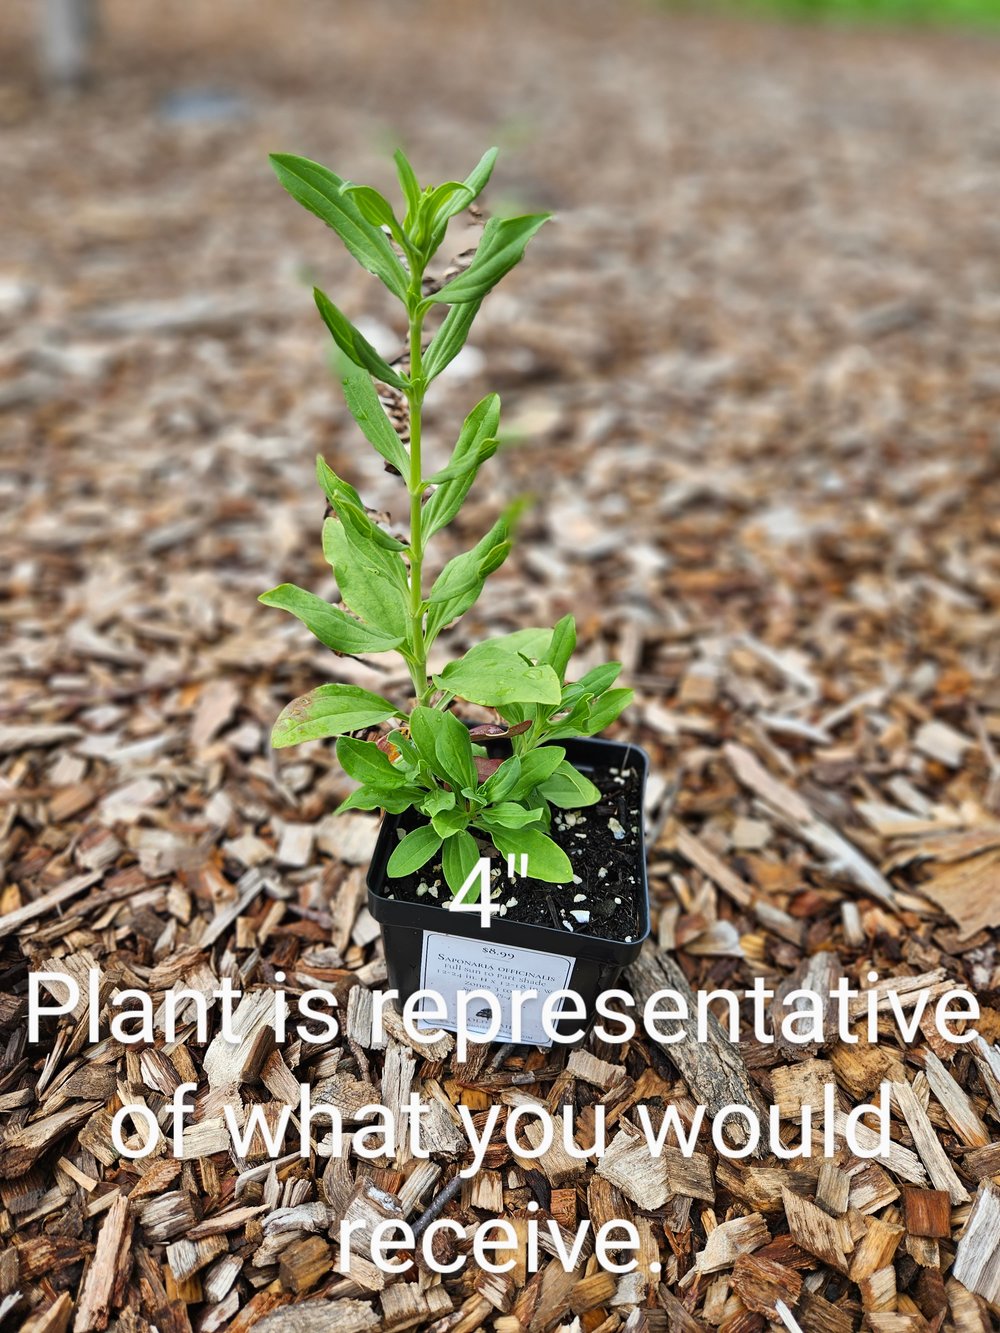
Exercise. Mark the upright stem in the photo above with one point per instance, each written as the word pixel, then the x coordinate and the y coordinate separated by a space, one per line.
pixel 422 687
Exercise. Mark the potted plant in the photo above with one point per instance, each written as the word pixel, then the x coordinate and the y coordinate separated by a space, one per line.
pixel 527 823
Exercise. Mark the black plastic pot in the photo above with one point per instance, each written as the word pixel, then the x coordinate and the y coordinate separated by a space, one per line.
pixel 423 943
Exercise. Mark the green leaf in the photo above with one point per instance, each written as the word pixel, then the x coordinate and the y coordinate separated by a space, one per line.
pixel 530 642
pixel 479 176
pixel 367 411
pixel 562 646
pixel 458 860
pixel 443 202
pixel 508 814
pixel 333 627
pixel 502 246
pixel 338 491
pixel 394 801
pixel 568 788
pixel 424 723
pixel 491 676
pixel 408 184
pixel 449 822
pixel 346 501
pixel 537 766
pixel 600 678
pixel 480 425
pixel 329 710
pixel 374 208
pixel 366 763
pixel 436 801
pixel 444 745
pixel 414 851
pixel 500 783
pixel 546 861
pixel 354 344
pixel 322 192
pixel 443 613
pixel 454 751
pixel 605 709
pixel 460 583
pixel 450 338
pixel 571 723
pixel 367 583
pixel 364 541
pixel 471 463
pixel 472 568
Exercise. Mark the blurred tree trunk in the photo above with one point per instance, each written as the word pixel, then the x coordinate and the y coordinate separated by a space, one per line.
pixel 67 30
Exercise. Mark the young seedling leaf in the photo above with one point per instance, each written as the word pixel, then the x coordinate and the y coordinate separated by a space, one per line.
pixel 354 344
pixel 414 851
pixel 322 192
pixel 571 723
pixel 331 626
pixel 337 491
pixel 501 248
pixel 329 710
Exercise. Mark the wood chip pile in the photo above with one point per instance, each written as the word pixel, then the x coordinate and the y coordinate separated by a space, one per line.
pixel 751 378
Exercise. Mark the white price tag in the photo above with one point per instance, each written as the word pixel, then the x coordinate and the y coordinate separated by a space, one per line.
pixel 451 963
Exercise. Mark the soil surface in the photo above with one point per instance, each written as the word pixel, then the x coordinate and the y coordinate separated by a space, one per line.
pixel 603 843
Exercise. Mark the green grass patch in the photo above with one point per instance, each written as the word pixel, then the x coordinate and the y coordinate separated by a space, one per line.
pixel 954 13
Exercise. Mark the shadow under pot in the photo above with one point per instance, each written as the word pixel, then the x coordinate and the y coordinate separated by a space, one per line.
pixel 539 937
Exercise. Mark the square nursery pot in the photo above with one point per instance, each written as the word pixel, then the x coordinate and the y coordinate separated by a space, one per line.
pixel 429 947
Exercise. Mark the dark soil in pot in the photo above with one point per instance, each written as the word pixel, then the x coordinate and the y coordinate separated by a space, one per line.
pixel 602 841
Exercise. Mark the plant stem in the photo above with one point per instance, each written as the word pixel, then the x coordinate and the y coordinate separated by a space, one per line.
pixel 422 687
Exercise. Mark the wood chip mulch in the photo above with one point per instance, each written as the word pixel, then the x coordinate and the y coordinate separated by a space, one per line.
pixel 750 376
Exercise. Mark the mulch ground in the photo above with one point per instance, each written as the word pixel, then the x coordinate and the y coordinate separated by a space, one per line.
pixel 750 377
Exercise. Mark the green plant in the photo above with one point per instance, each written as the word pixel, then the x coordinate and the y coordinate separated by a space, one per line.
pixel 430 761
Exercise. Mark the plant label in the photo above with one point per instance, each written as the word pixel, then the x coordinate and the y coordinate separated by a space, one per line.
pixel 491 991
